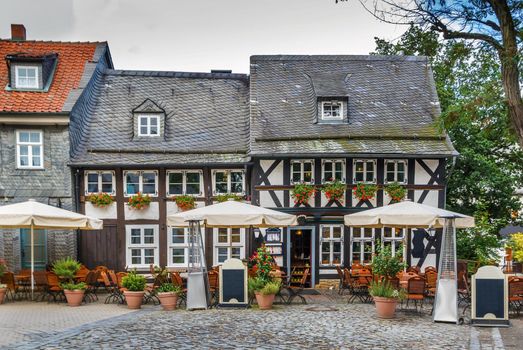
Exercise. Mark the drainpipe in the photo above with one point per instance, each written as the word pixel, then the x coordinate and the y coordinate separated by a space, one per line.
pixel 77 205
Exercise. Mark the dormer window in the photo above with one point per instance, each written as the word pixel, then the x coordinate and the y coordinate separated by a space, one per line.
pixel 26 77
pixel 149 125
pixel 331 110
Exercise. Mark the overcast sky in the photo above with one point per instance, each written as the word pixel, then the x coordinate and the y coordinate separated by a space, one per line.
pixel 199 35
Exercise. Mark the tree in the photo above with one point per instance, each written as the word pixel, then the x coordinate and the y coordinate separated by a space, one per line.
pixel 496 23
pixel 485 176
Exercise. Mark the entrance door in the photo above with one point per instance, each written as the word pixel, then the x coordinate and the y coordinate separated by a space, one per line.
pixel 40 248
pixel 300 254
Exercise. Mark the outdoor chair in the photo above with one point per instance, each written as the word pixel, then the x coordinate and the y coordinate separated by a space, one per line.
pixel 119 278
pixel 112 288
pixel 81 275
pixel 416 291
pixel 91 281
pixel 394 282
pixel 343 284
pixel 41 285
pixel 12 288
pixel 295 291
pixel 355 268
pixel 515 294
pixel 214 286
pixel 356 291
pixel 54 289
pixel 464 295
pixel 431 268
pixel 177 280
pixel 415 269
pixel 150 289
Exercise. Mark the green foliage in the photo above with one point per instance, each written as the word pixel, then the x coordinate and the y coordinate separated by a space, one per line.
pixel 301 193
pixel 263 260
pixel 169 288
pixel 334 190
pixel 74 286
pixel 384 289
pixel 365 191
pixel 384 264
pixel 66 268
pixel 3 267
pixel 483 180
pixel 255 284
pixel 134 282
pixel 396 192
pixel 139 201
pixel 272 287
pixel 185 202
pixel 516 243
pixel 225 197
pixel 100 199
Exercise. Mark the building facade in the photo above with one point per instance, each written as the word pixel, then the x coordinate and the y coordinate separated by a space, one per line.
pixel 45 87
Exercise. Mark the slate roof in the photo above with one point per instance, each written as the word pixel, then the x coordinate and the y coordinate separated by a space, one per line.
pixel 72 60
pixel 206 119
pixel 392 106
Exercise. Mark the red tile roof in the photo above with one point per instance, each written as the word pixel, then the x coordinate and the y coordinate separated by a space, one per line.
pixel 72 58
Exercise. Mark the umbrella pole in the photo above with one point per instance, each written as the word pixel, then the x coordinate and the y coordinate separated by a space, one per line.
pixel 405 242
pixel 32 262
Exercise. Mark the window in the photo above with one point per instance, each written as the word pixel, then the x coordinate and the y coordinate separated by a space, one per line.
pixel 331 241
pixel 333 169
pixel 145 182
pixel 142 245
pixel 228 243
pixel 331 110
pixel 393 238
pixel 148 125
pixel 301 171
pixel 26 77
pixel 99 181
pixel 228 181
pixel 185 182
pixel 29 149
pixel 178 247
pixel 362 245
pixel 395 171
pixel 364 171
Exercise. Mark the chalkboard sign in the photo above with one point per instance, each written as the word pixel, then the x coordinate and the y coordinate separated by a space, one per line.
pixel 489 297
pixel 233 283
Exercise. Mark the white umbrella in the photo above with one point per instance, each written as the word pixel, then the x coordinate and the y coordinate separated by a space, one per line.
pixel 35 215
pixel 233 214
pixel 407 214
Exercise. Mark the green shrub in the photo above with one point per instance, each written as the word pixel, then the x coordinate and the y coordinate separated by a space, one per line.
pixel 271 288
pixel 384 289
pixel 3 268
pixel 74 286
pixel 169 288
pixel 384 264
pixel 134 282
pixel 255 284
pixel 66 268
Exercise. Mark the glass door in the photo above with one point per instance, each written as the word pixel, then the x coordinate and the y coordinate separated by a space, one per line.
pixel 40 248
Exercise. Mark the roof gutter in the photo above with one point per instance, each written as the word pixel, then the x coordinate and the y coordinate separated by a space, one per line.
pixel 146 151
pixel 349 137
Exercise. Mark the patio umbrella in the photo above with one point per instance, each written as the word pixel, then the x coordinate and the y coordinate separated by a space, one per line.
pixel 233 214
pixel 35 215
pixel 415 215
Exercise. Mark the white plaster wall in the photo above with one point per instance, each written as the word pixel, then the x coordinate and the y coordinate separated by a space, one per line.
pixel 152 212
pixel 108 212
pixel 431 199
pixel 267 201
pixel 324 201
pixel 421 177
pixel 373 201
pixel 276 177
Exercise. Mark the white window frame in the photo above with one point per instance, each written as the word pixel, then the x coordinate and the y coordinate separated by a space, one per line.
pixel 17 77
pixel 332 240
pixel 302 162
pixel 99 173
pixel 184 246
pixel 228 172
pixel 331 102
pixel 333 161
pixel 395 162
pixel 30 146
pixel 141 246
pixel 365 162
pixel 228 244
pixel 140 184
pixel 149 116
pixel 360 238
pixel 395 240
pixel 184 181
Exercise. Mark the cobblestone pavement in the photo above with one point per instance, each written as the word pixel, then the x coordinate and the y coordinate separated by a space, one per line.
pixel 327 322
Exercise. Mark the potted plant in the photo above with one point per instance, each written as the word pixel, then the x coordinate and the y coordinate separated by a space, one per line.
pixel 396 192
pixel 385 298
pixel 228 196
pixel 3 287
pixel 302 193
pixel 185 202
pixel 365 191
pixel 66 270
pixel 135 289
pixel 386 267
pixel 139 201
pixel 168 295
pixel 334 190
pixel 100 200
pixel 264 285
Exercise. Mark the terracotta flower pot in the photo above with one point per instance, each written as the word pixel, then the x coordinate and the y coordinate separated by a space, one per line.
pixel 385 307
pixel 264 301
pixel 74 297
pixel 169 300
pixel 2 294
pixel 133 299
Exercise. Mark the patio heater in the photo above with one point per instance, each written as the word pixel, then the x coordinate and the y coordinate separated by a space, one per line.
pixel 446 301
pixel 197 279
